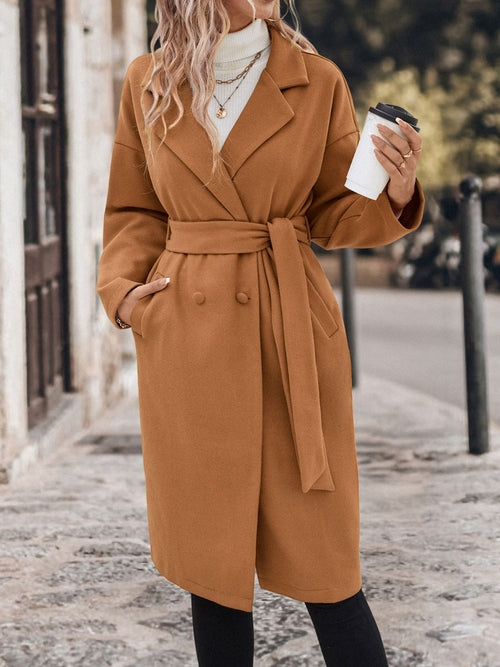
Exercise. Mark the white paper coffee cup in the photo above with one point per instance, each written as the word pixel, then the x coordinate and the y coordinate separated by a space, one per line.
pixel 366 176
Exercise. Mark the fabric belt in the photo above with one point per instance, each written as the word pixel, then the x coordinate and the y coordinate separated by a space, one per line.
pixel 299 373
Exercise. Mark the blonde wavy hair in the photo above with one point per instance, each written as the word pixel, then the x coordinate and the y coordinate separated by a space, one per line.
pixel 183 49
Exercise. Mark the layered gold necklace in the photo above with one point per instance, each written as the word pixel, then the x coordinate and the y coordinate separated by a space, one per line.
pixel 222 111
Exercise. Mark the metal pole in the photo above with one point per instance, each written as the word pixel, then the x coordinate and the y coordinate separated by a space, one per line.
pixel 348 269
pixel 471 235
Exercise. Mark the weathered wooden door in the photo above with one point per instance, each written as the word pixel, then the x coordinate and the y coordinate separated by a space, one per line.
pixel 44 219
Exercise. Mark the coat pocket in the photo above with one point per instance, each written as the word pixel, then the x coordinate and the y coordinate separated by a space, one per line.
pixel 321 311
pixel 137 315
pixel 139 311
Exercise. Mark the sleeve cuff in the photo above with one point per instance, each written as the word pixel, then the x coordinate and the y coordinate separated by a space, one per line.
pixel 113 294
pixel 412 213
pixel 411 216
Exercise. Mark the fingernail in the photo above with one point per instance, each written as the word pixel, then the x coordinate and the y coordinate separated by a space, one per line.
pixel 167 280
pixel 400 121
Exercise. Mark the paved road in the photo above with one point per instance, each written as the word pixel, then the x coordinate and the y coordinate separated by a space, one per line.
pixel 78 587
pixel 415 338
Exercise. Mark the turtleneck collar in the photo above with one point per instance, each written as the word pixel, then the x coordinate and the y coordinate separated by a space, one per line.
pixel 243 43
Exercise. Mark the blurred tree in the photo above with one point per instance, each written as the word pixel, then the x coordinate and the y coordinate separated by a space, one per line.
pixel 150 9
pixel 440 53
pixel 367 38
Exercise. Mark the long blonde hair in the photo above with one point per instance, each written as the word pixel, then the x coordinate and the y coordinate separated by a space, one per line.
pixel 188 34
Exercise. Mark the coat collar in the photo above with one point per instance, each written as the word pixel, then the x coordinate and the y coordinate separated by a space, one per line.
pixel 266 112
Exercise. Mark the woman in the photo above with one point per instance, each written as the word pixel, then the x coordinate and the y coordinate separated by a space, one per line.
pixel 231 153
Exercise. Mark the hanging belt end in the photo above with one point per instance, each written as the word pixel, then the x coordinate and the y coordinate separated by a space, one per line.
pixel 322 483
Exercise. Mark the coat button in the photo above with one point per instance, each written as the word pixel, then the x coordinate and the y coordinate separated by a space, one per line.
pixel 242 297
pixel 199 298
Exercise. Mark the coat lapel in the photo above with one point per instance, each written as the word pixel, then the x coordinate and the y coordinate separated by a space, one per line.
pixel 267 110
pixel 190 143
pixel 266 113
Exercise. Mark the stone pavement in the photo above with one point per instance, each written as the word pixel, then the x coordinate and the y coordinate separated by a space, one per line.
pixel 77 586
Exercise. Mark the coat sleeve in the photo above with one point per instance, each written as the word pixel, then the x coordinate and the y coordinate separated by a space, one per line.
pixel 135 223
pixel 340 218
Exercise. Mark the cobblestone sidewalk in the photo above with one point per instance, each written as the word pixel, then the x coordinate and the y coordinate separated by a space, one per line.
pixel 77 586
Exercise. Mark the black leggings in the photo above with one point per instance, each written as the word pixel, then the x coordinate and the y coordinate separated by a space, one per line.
pixel 346 631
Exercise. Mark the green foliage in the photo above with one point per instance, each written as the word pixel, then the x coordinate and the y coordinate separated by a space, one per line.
pixel 438 58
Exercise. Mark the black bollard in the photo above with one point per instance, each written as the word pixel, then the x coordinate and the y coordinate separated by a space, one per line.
pixel 348 270
pixel 472 273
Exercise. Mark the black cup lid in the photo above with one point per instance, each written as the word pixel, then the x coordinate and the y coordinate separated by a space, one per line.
pixel 391 112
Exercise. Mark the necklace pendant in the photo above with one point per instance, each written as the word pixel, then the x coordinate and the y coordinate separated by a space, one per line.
pixel 221 112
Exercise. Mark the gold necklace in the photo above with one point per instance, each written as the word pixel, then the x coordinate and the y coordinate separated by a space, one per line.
pixel 222 111
pixel 244 72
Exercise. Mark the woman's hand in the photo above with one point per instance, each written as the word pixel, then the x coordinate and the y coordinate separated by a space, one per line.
pixel 399 158
pixel 127 305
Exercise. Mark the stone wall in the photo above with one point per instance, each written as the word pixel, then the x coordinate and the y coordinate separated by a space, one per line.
pixel 13 417
pixel 100 39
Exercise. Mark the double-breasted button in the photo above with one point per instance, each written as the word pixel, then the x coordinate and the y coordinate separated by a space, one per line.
pixel 199 298
pixel 242 297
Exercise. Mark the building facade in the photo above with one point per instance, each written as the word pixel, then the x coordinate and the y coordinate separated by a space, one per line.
pixel 60 77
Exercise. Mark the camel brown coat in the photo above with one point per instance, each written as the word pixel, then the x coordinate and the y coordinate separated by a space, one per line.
pixel 244 371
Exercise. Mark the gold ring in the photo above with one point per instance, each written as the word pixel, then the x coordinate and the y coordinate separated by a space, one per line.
pixel 409 154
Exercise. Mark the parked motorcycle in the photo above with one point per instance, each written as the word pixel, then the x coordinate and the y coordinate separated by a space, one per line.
pixel 492 261
pixel 430 257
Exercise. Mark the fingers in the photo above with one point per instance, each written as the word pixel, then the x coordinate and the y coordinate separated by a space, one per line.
pixel 127 305
pixel 392 166
pixel 391 156
pixel 411 135
pixel 397 148
pixel 401 170
pixel 399 155
pixel 153 286
pixel 399 144
pixel 148 288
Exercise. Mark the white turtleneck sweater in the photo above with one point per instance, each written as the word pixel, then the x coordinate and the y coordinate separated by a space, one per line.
pixel 234 53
